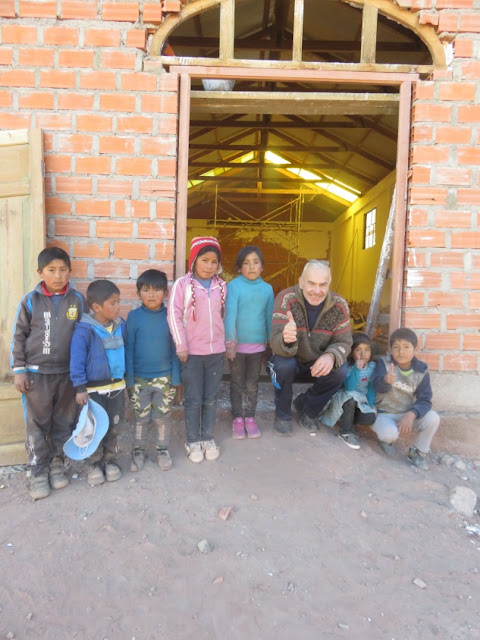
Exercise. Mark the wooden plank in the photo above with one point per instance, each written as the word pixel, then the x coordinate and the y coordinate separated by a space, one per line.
pixel 256 165
pixel 227 29
pixel 15 136
pixel 248 146
pixel 223 123
pixel 369 34
pixel 13 189
pixel 13 164
pixel 36 223
pixel 182 175
pixel 298 30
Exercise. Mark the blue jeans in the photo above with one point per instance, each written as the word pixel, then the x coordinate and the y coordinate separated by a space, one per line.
pixel 290 370
pixel 201 377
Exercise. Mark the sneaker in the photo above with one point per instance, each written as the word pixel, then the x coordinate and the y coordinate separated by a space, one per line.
pixel 95 475
pixel 56 475
pixel 308 423
pixel 164 460
pixel 417 458
pixel 112 471
pixel 299 403
pixel 138 460
pixel 388 448
pixel 211 450
pixel 350 439
pixel 282 427
pixel 194 452
pixel 238 429
pixel 252 428
pixel 39 487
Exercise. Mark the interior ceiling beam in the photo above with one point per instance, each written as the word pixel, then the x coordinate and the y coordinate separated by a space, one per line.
pixel 226 177
pixel 252 124
pixel 248 146
pixel 255 165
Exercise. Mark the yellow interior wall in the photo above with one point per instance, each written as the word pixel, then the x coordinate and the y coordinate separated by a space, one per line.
pixel 354 268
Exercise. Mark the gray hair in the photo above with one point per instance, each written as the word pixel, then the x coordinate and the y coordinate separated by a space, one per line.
pixel 317 264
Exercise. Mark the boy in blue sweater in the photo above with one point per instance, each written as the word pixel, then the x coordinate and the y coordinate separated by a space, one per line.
pixel 153 368
pixel 97 369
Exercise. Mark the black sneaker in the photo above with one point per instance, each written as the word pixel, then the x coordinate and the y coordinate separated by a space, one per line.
pixel 388 448
pixel 350 440
pixel 282 427
pixel 417 458
pixel 308 423
pixel 299 403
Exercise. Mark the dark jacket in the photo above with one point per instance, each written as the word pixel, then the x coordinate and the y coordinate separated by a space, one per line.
pixel 41 336
pixel 408 393
pixel 331 333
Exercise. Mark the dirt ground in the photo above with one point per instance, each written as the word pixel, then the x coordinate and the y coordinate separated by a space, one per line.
pixel 322 542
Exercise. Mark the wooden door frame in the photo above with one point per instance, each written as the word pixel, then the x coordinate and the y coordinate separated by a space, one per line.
pixel 404 83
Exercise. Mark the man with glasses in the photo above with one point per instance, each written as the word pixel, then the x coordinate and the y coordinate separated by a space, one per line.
pixel 311 339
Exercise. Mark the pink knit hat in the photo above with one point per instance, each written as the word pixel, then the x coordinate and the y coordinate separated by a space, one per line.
pixel 200 243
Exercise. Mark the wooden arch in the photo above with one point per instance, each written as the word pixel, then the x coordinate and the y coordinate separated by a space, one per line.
pixel 371 8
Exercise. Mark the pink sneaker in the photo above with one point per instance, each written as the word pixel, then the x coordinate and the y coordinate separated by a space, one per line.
pixel 238 429
pixel 252 428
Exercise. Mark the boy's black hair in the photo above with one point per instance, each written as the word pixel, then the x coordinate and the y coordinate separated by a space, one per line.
pixel 50 254
pixel 99 291
pixel 243 253
pixel 404 334
pixel 152 278
pixel 358 338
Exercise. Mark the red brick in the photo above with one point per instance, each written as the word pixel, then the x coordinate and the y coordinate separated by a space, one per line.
pixel 423 90
pixel 468 155
pixel 7 9
pixel 157 188
pixel 161 103
pixel 466 240
pixel 453 219
pixel 55 206
pixel 476 260
pixel 468 113
pixel 471 343
pixel 57 79
pixel 468 196
pixel 171 6
pixel 73 185
pixel 423 278
pixel 415 320
pixel 463 280
pixel 428 195
pixel 137 38
pixel 132 209
pixel 114 229
pixel 454 4
pixel 58 164
pixel 462 320
pixel 447 259
pixel 120 11
pixel 414 298
pixel 463 48
pixel 60 36
pixel 155 146
pixel 117 102
pixel 6 98
pixel 448 22
pixel 422 133
pixel 79 268
pixel 453 135
pixel 118 59
pixel 431 113
pixel 35 100
pixel 460 362
pixel 79 10
pixel 94 123
pixel 432 359
pixel 92 207
pixel 444 300
pixel 164 250
pixel 102 38
pixel 165 209
pixel 155 229
pixel 420 175
pixel 474 303
pixel 94 164
pixel 14 121
pixel 75 101
pixel 152 12
pixel 458 91
pixel 417 217
pixel 48 138
pixel 428 18
pixel 116 144
pixel 167 124
pixel 103 80
pixel 36 57
pixel 111 269
pixel 442 341
pixel 115 187
pixel 425 238
pixel 69 227
pixel 127 291
pixel 54 121
pixel 131 250
pixel 430 154
pixel 441 74
pixel 138 81
pixel 18 34
pixel 91 249
pixel 135 124
pixel 38 9
pixel 75 143
pixel 452 176
pixel 133 167
pixel 166 168
pixel 415 258
pixel 6 56
pixel 17 78
pixel 470 70
pixel 80 58
pixel 470 22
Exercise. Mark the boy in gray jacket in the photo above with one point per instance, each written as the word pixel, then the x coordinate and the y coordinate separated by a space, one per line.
pixel 41 362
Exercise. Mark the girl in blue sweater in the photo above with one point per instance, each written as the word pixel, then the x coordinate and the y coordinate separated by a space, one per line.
pixel 248 319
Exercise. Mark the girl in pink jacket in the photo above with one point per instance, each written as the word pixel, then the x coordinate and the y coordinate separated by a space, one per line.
pixel 195 315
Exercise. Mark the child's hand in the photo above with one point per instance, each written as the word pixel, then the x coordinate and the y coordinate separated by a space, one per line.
pixel 290 330
pixel 178 400
pixel 231 350
pixel 182 356
pixel 405 424
pixel 21 382
pixel 390 378
pixel 82 398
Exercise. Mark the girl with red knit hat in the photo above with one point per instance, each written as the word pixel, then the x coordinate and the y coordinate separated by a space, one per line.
pixel 195 315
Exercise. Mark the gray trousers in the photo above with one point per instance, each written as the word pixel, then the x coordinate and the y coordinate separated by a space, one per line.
pixel 114 405
pixel 244 376
pixel 386 428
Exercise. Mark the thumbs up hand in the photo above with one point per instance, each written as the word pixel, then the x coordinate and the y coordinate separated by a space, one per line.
pixel 391 377
pixel 290 330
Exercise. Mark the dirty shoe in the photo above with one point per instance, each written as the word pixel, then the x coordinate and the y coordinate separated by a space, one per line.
pixel 417 458
pixel 282 427
pixel 112 471
pixel 388 448
pixel 95 475
pixel 211 450
pixel 194 452
pixel 252 428
pixel 238 429
pixel 56 476
pixel 39 487
pixel 308 423
pixel 164 460
pixel 138 460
